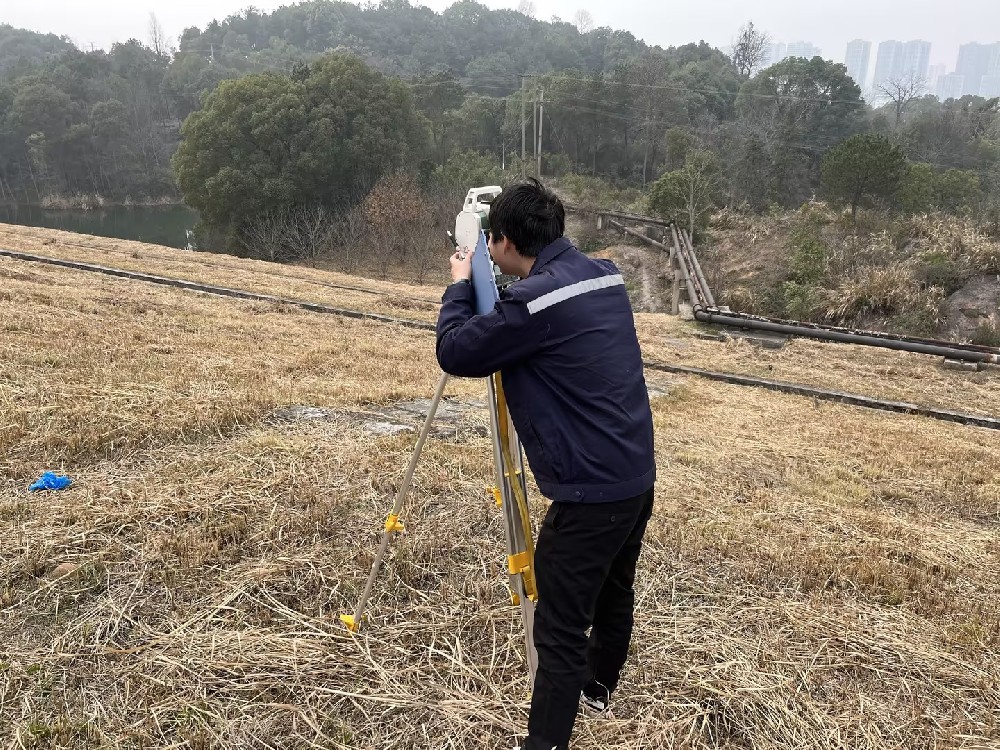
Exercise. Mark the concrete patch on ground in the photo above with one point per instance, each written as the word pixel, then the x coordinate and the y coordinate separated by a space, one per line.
pixel 763 339
pixel 454 419
pixel 658 391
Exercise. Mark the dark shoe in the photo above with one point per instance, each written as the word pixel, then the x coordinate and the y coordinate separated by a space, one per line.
pixel 595 698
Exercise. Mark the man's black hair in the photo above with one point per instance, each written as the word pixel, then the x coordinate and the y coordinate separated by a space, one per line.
pixel 529 215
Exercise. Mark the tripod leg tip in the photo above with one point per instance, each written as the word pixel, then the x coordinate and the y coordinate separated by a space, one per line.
pixel 349 621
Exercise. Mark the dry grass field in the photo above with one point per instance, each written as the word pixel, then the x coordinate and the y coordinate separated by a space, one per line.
pixel 816 576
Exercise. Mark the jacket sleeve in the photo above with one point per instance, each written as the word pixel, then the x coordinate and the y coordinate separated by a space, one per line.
pixel 476 346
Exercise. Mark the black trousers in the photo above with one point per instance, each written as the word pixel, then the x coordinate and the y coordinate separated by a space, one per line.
pixel 585 561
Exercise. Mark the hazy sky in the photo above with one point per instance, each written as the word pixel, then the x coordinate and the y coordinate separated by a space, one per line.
pixel 830 25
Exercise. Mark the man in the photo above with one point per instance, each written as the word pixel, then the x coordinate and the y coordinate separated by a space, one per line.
pixel 563 338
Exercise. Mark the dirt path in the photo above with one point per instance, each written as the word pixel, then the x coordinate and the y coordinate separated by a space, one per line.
pixel 640 268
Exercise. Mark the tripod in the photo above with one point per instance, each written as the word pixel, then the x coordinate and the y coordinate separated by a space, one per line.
pixel 510 491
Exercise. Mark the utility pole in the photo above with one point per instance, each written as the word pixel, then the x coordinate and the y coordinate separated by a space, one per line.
pixel 534 128
pixel 524 124
pixel 541 126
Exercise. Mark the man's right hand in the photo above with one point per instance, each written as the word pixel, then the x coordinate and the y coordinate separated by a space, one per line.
pixel 461 265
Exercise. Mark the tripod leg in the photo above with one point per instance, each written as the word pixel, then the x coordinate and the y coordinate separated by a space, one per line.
pixel 392 523
pixel 523 541
pixel 517 529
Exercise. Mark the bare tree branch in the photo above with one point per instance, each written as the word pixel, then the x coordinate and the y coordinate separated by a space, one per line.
pixel 902 91
pixel 267 236
pixel 157 38
pixel 583 21
pixel 749 49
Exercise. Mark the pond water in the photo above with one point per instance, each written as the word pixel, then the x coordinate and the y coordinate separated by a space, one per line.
pixel 160 225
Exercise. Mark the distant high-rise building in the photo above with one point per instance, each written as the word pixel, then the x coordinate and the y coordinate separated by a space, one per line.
pixel 859 55
pixel 781 51
pixel 950 86
pixel 976 61
pixel 916 59
pixel 808 50
pixel 934 74
pixel 902 60
pixel 989 86
pixel 774 54
pixel 888 63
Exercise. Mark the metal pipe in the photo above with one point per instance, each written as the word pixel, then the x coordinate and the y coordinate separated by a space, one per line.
pixel 675 282
pixel 641 236
pixel 809 326
pixel 733 321
pixel 693 295
pixel 619 215
pixel 709 298
pixel 851 399
pixel 210 289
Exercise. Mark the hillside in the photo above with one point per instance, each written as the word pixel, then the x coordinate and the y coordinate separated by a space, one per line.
pixel 923 275
pixel 817 575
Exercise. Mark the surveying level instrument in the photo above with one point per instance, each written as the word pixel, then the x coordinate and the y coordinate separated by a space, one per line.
pixel 510 491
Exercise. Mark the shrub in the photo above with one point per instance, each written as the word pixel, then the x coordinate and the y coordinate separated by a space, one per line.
pixel 800 301
pixel 807 264
pixel 939 269
pixel 594 192
pixel 987 334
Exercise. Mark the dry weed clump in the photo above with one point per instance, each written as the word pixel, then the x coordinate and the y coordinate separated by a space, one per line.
pixel 880 293
pixel 815 576
pixel 958 239
pixel 751 228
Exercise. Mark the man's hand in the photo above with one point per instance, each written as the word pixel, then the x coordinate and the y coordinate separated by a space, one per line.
pixel 461 265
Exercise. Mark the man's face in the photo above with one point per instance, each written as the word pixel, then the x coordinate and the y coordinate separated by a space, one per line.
pixel 501 251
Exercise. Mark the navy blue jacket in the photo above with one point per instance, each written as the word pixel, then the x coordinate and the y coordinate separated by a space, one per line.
pixel 564 342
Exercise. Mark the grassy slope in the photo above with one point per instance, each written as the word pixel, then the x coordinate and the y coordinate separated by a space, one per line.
pixel 816 575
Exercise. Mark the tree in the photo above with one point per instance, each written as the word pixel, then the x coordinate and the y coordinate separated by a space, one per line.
pixel 264 142
pixel 395 202
pixel 467 169
pixel 678 143
pixel 864 166
pixel 791 112
pixel 916 191
pixel 690 191
pixel 436 97
pixel 901 92
pixel 158 41
pixel 583 21
pixel 957 190
pixel 749 50
pixel 22 50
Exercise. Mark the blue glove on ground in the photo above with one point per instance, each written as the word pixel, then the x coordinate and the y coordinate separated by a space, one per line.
pixel 50 481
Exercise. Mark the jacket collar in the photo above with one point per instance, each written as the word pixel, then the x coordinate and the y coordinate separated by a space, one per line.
pixel 550 252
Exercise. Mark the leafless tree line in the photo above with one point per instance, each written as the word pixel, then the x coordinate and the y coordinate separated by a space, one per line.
pixel 395 231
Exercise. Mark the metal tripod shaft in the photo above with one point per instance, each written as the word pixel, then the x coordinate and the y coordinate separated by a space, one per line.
pixel 517 531
pixel 392 523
